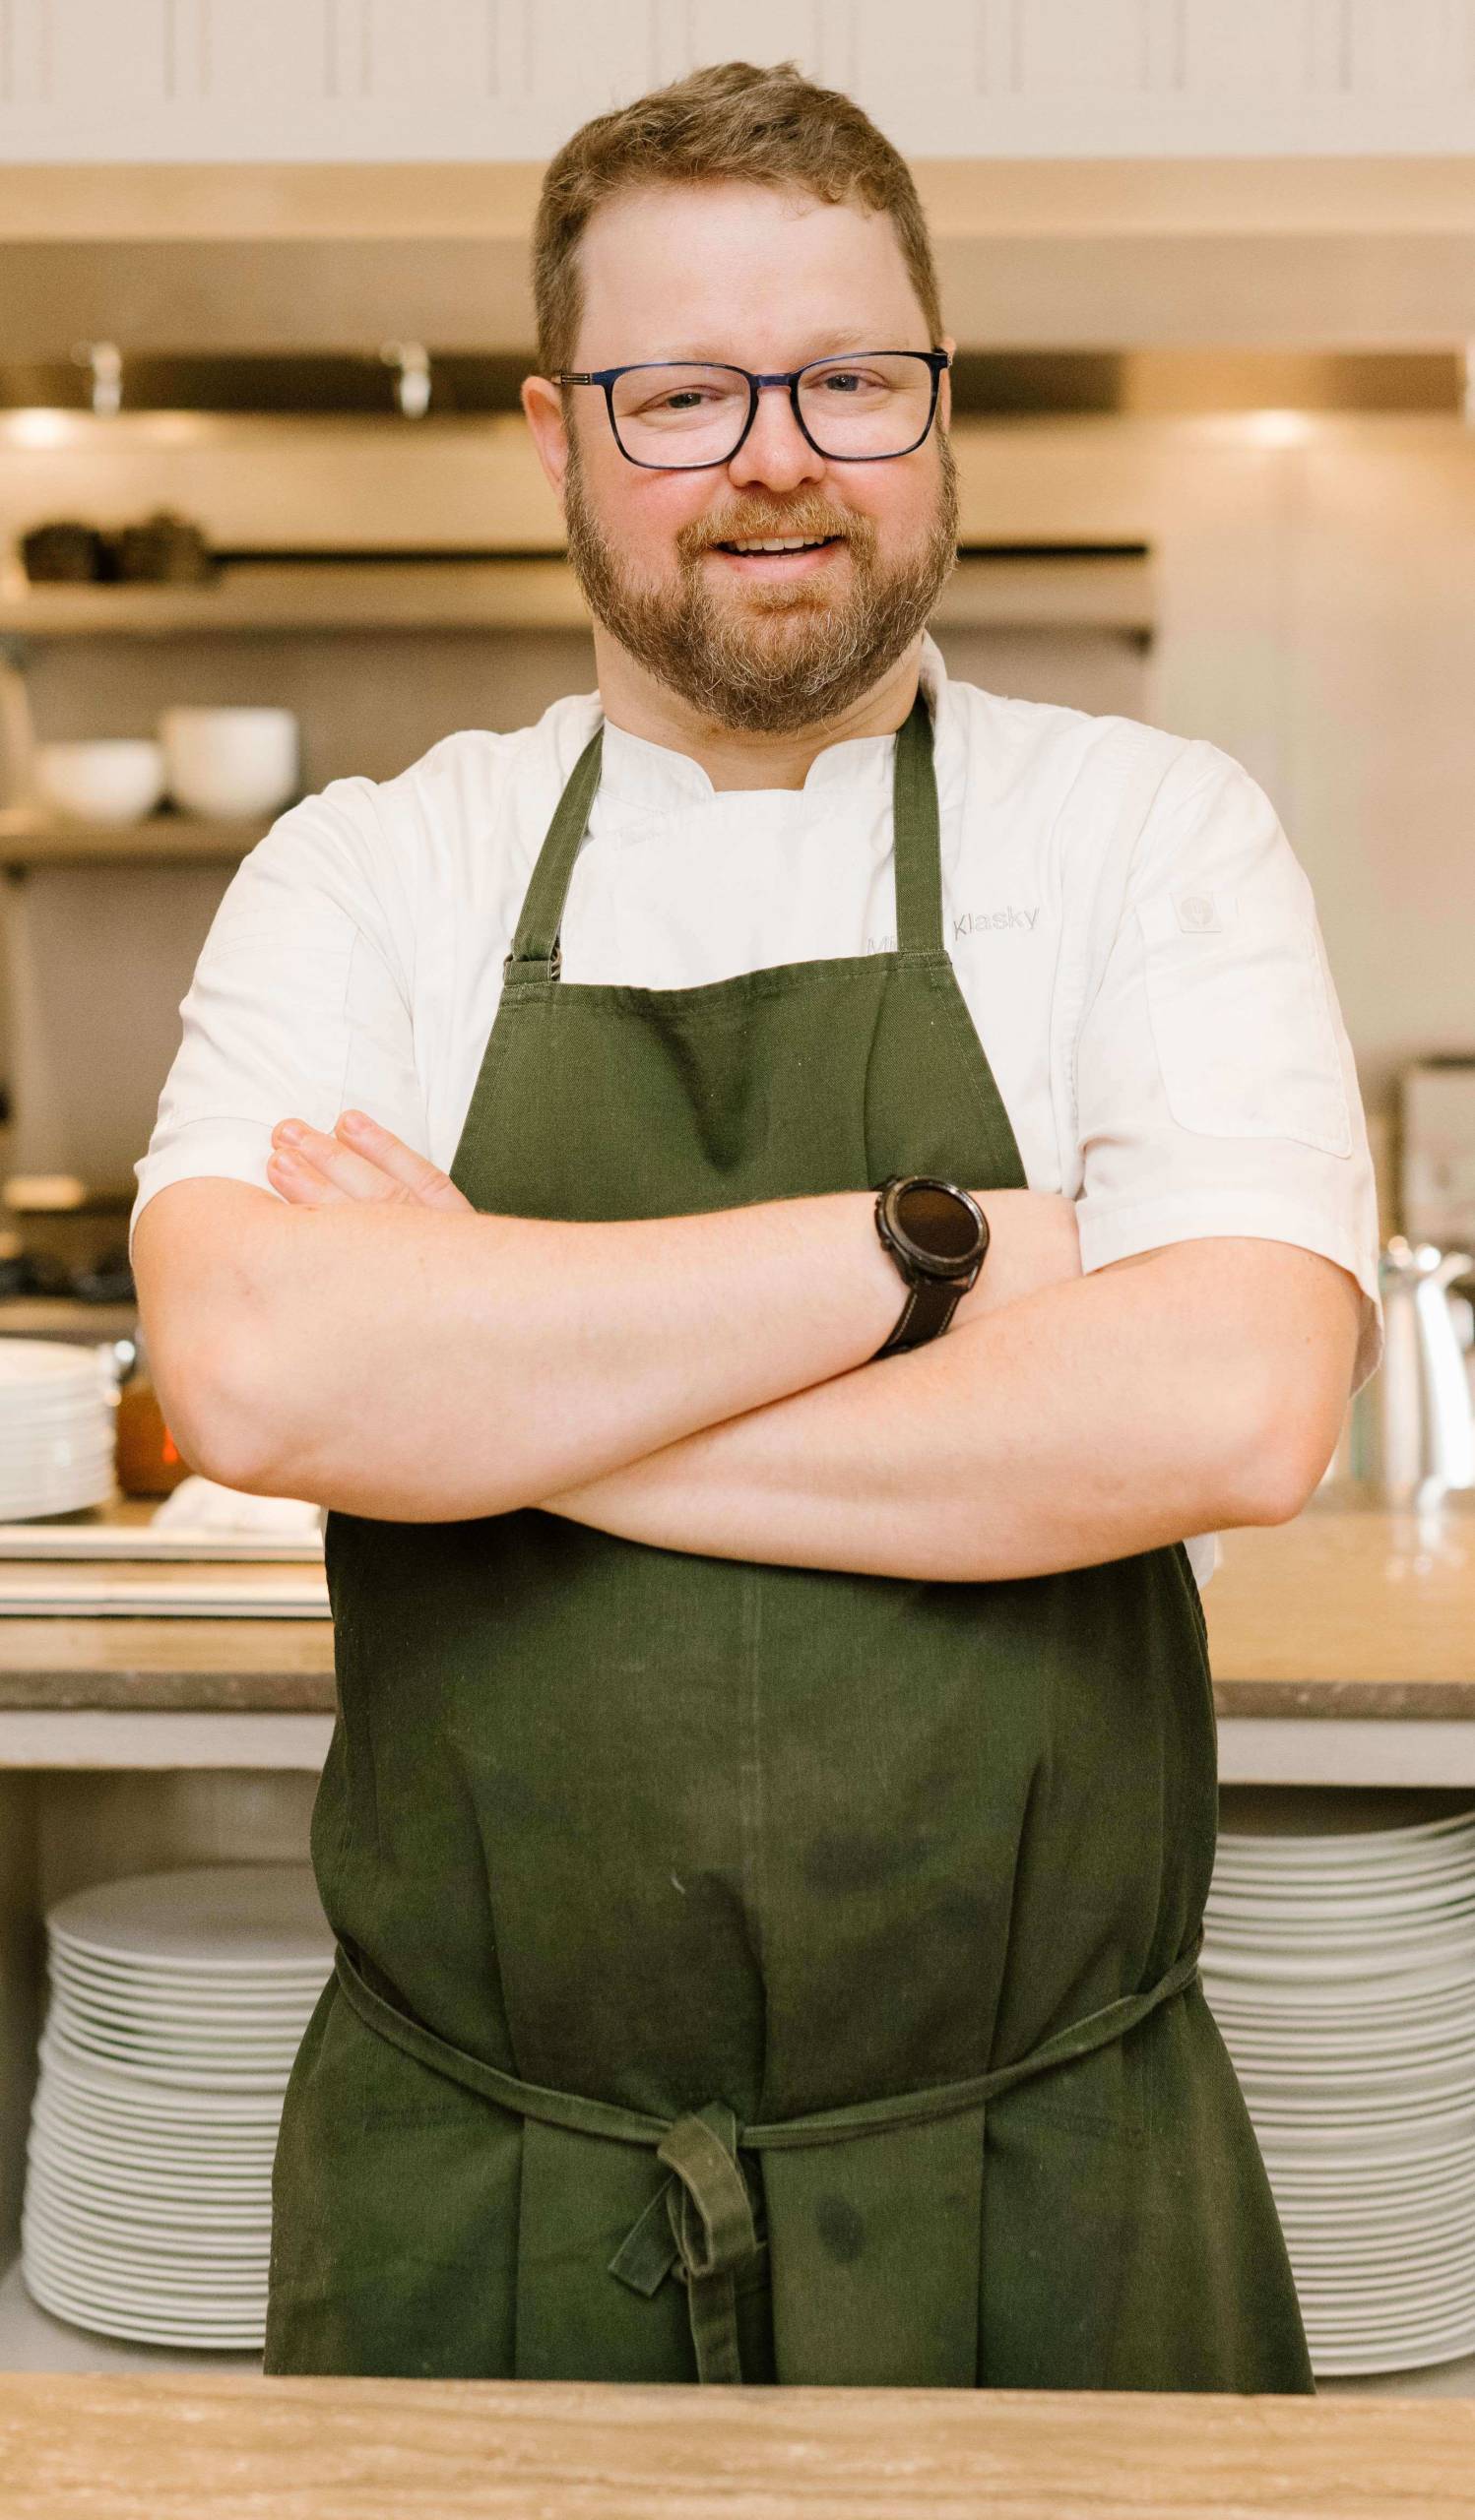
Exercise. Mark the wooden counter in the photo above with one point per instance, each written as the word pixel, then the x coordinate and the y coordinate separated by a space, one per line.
pixel 1342 1611
pixel 236 2449
pixel 1363 1615
pixel 1347 1612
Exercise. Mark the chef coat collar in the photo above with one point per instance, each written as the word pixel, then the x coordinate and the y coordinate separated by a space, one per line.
pixel 652 776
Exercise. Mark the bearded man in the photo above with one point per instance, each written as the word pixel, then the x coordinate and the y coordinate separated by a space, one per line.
pixel 769 1817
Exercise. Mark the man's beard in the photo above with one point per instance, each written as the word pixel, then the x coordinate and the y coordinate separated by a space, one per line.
pixel 773 658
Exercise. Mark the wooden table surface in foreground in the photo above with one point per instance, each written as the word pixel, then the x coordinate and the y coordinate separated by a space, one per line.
pixel 233 2447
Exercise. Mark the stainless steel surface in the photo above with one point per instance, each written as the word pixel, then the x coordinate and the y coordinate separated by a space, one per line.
pixel 1410 1433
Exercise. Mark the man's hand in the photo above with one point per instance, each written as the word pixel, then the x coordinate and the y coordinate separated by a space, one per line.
pixel 359 1161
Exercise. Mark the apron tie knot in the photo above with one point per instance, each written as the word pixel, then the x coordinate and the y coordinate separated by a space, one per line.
pixel 709 2236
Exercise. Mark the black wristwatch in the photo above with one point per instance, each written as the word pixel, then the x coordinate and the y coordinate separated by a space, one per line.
pixel 937 1236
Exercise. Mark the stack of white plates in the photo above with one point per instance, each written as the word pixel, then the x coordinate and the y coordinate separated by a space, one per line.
pixel 178 2000
pixel 1341 1970
pixel 58 1428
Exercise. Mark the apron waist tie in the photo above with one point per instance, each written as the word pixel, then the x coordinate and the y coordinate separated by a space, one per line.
pixel 699 2226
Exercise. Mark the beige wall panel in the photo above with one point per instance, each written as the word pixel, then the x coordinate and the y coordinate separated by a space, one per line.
pixel 1380 657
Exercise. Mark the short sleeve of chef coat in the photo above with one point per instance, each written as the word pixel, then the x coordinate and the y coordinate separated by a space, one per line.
pixel 299 1004
pixel 1216 1091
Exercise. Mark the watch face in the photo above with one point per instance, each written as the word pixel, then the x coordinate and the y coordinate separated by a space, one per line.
pixel 937 1221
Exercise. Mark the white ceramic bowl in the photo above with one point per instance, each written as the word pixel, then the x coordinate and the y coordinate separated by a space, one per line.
pixel 115 781
pixel 230 761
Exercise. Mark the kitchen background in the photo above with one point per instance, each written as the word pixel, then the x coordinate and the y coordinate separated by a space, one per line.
pixel 262 269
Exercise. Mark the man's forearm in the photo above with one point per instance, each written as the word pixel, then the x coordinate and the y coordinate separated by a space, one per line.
pixel 400 1362
pixel 1195 1389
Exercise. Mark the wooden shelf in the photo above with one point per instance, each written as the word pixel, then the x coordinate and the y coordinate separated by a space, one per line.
pixel 65 1317
pixel 30 837
pixel 347 595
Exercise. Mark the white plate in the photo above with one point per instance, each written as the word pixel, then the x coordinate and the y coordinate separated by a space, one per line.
pixel 272 1980
pixel 171 2246
pixel 1333 2042
pixel 202 2138
pixel 220 2337
pixel 137 2260
pixel 92 1983
pixel 144 2044
pixel 237 1998
pixel 159 2316
pixel 238 2154
pixel 1312 1888
pixel 1321 1968
pixel 242 2179
pixel 37 1363
pixel 1400 2152
pixel 1375 2315
pixel 1377 1948
pixel 1293 1841
pixel 1297 1857
pixel 1444 1975
pixel 153 2103
pixel 1271 1916
pixel 1332 2364
pixel 1394 2257
pixel 168 2249
pixel 213 2069
pixel 61 1495
pixel 102 2188
pixel 215 1918
pixel 75 2021
pixel 1327 2056
pixel 173 2033
pixel 207 2081
pixel 1354 2009
pixel 71 1431
pixel 136 2286
pixel 1318 2122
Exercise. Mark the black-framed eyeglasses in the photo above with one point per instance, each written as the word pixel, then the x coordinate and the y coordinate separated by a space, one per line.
pixel 684 416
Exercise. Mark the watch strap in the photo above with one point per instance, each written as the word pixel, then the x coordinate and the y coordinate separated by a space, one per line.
pixel 930 1307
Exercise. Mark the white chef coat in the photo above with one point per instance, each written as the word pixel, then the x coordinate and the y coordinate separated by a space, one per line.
pixel 1135 940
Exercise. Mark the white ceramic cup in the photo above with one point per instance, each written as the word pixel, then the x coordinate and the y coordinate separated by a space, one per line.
pixel 230 761
pixel 114 780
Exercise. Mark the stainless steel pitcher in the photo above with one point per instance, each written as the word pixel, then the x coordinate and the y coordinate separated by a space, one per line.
pixel 1411 1430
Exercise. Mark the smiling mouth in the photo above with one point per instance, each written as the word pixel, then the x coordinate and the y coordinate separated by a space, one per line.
pixel 785 547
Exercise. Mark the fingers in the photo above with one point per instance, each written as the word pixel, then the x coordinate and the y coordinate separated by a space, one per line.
pixel 359 1161
pixel 314 1170
pixel 424 1180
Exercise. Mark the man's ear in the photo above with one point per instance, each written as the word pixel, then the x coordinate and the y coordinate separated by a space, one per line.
pixel 944 393
pixel 543 408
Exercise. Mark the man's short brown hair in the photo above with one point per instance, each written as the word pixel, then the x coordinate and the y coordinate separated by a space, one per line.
pixel 730 123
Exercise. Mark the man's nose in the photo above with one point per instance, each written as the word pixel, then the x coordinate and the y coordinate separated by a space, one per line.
pixel 775 452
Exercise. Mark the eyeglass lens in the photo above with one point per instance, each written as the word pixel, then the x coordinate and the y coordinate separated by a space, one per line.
pixel 870 407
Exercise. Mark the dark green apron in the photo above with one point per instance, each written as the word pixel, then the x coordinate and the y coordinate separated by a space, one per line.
pixel 757 1972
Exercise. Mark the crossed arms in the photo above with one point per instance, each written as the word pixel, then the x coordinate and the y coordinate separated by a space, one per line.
pixel 703 1383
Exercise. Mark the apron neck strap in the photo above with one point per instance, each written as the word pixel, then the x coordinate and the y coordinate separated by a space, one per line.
pixel 916 836
pixel 536 954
